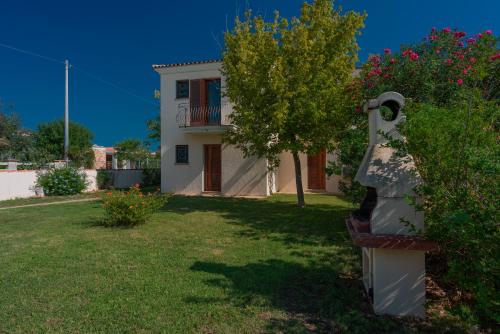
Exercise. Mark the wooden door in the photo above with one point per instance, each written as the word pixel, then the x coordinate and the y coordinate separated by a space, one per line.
pixel 109 161
pixel 212 167
pixel 195 102
pixel 316 178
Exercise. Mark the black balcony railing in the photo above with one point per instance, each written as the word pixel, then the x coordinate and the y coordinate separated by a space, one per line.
pixel 203 115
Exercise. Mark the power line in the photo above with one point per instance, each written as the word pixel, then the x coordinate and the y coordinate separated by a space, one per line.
pixel 109 83
pixel 95 77
pixel 31 53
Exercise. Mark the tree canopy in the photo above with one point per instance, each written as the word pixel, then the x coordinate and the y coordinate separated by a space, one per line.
pixel 49 139
pixel 288 81
pixel 131 150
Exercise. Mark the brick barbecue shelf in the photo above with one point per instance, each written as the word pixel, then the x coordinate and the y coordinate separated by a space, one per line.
pixel 361 236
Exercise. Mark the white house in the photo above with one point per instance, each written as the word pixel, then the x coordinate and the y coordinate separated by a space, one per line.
pixel 194 115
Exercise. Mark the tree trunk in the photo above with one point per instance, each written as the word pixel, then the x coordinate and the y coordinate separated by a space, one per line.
pixel 298 180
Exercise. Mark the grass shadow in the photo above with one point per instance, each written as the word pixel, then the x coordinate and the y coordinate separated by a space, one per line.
pixel 318 223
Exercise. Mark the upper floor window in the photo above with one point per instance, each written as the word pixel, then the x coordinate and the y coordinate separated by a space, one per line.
pixel 182 89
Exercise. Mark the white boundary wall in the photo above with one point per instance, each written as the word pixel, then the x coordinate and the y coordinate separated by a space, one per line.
pixel 21 183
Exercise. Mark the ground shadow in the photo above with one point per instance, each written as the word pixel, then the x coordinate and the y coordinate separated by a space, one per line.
pixel 315 298
pixel 316 224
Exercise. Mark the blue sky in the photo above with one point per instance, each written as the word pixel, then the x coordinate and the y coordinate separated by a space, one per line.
pixel 118 41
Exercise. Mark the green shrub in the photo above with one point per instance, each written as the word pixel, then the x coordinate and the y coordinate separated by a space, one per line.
pixel 132 207
pixel 152 177
pixel 451 82
pixel 103 179
pixel 62 181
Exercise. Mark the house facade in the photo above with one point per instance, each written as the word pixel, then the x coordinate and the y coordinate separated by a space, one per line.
pixel 194 116
pixel 104 157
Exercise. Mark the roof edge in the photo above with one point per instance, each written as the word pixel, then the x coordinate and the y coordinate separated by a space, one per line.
pixel 210 61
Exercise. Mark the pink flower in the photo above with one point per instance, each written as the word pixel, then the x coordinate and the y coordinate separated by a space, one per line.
pixel 495 57
pixel 433 37
pixel 449 61
pixel 480 35
pixel 392 61
pixel 459 34
pixel 461 44
pixel 387 51
pixel 464 71
pixel 461 56
pixel 413 56
pixel 438 51
pixel 375 59
pixel 488 32
pixel 387 75
pixel 406 52
pixel 472 59
pixel 460 82
pixel 358 109
pixel 446 30
pixel 471 40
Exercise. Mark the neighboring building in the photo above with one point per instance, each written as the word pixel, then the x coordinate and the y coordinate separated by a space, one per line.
pixel 194 115
pixel 104 157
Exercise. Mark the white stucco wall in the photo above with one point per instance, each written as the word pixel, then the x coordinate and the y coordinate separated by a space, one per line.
pixel 21 184
pixel 239 176
pixel 286 174
pixel 243 176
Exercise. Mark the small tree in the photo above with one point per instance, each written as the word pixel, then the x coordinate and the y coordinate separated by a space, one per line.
pixel 131 150
pixel 50 140
pixel 288 82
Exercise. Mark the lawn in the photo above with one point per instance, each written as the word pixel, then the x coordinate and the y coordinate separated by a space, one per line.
pixel 48 199
pixel 202 265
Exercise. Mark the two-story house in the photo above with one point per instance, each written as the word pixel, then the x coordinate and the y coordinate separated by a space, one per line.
pixel 194 115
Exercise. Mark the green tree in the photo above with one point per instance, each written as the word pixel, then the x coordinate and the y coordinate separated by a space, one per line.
pixel 452 84
pixel 154 125
pixel 49 140
pixel 154 129
pixel 15 142
pixel 132 150
pixel 10 123
pixel 288 82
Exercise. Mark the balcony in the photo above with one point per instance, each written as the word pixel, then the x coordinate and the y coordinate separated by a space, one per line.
pixel 203 118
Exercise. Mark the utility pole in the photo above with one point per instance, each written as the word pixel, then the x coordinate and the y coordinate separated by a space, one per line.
pixel 66 114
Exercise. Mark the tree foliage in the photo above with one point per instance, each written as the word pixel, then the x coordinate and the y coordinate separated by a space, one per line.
pixel 452 84
pixel 15 141
pixel 131 150
pixel 49 141
pixel 288 81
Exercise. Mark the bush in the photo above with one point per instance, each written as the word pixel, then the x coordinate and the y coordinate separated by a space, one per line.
pixel 152 177
pixel 132 207
pixel 62 181
pixel 451 82
pixel 103 179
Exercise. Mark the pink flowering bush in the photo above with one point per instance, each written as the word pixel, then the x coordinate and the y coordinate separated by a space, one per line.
pixel 452 84
pixel 132 207
pixel 438 69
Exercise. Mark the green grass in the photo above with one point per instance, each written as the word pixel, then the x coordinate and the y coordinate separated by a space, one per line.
pixel 202 265
pixel 46 199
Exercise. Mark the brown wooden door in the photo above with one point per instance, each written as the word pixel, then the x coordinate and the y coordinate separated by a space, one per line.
pixel 109 161
pixel 316 179
pixel 212 167
pixel 196 92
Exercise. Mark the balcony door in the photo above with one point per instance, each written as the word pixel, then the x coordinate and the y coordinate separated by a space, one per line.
pixel 212 168
pixel 205 102
pixel 316 178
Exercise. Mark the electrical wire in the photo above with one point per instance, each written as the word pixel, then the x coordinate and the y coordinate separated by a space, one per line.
pixel 31 53
pixel 91 75
pixel 109 83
